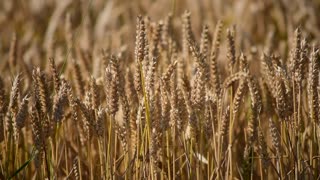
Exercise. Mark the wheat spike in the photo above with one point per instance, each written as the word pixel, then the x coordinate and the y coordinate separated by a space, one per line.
pixel 13 104
pixel 231 55
pixel 55 75
pixel 60 103
pixel 275 136
pixel 21 116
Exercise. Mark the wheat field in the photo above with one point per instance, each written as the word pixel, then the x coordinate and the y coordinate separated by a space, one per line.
pixel 151 89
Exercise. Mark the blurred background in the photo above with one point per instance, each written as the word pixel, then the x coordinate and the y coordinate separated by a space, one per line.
pixel 40 24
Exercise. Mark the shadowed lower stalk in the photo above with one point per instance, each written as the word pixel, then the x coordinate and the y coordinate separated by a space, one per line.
pixel 109 166
pixel 101 159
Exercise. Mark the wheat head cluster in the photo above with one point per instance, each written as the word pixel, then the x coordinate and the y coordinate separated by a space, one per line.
pixel 149 90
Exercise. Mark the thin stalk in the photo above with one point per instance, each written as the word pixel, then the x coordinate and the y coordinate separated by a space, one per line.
pixel 295 131
pixel 47 162
pixel 109 154
pixel 168 154
pixel 174 154
pixel 90 159
pixel 115 156
pixel 231 135
pixel 65 150
pixel 230 168
pixel 298 135
pixel 191 157
pixel 261 169
pixel 100 157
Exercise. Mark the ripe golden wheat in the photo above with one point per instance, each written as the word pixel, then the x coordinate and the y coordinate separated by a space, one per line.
pixel 195 94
